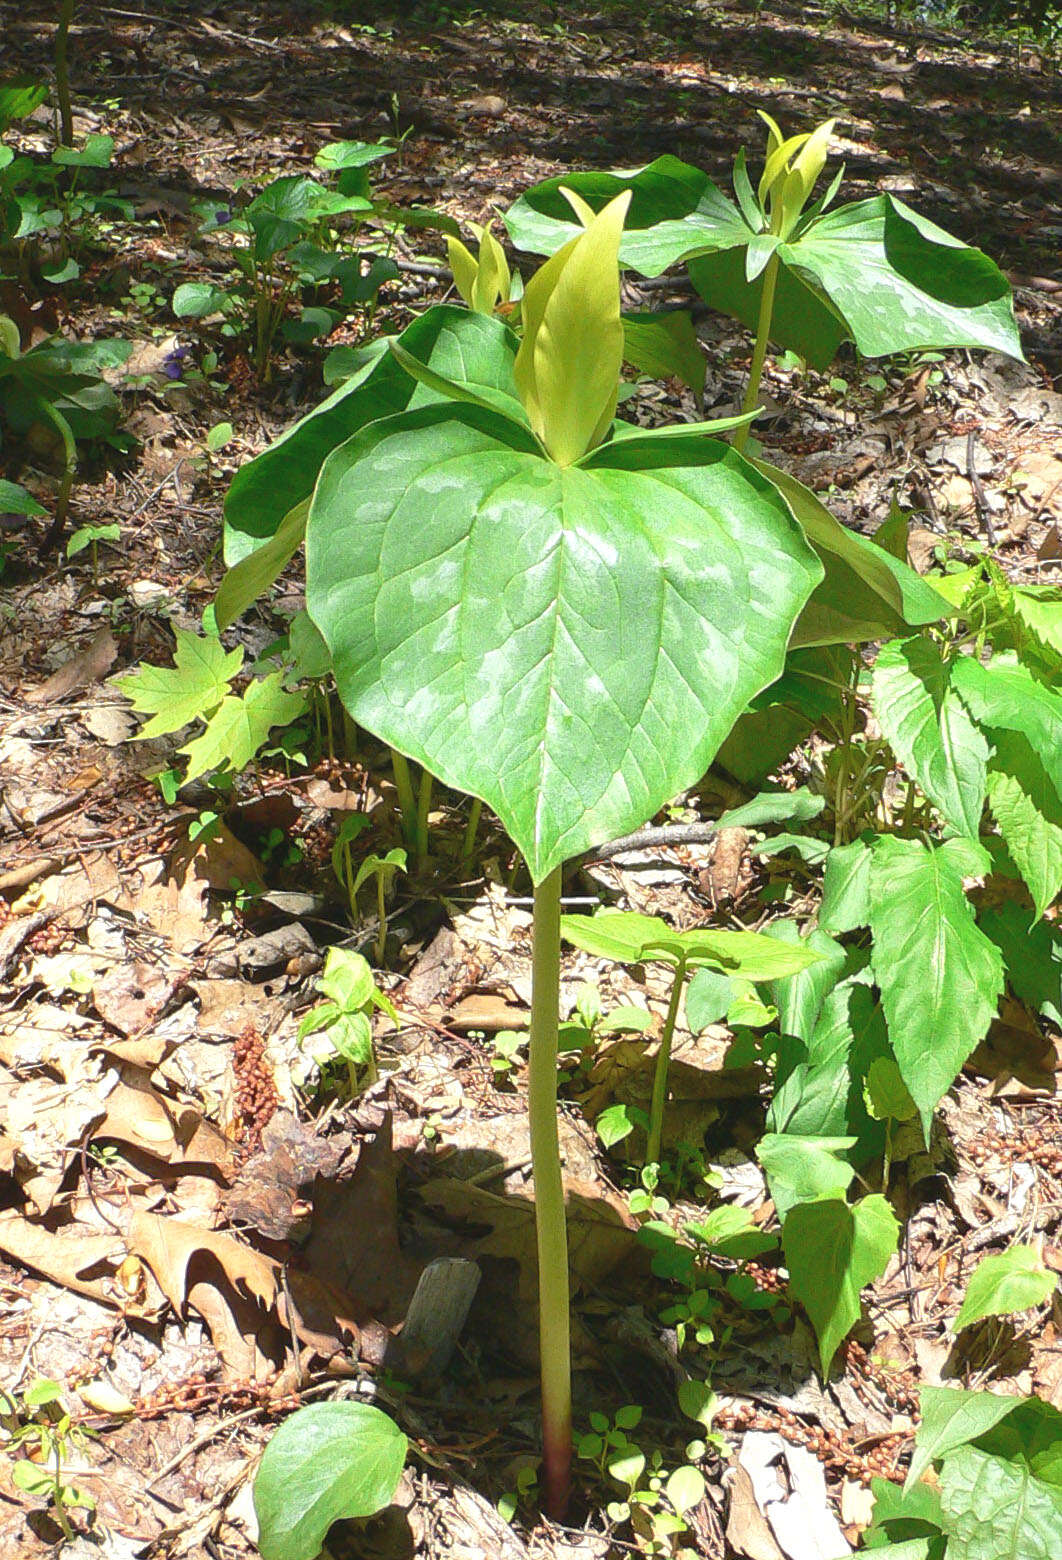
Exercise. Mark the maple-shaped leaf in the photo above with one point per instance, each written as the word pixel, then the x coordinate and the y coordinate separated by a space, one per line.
pixel 240 725
pixel 190 689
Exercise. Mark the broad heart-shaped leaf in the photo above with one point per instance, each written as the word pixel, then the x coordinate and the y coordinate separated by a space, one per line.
pixel 952 1416
pixel 1014 1280
pixel 804 1169
pixel 997 1510
pixel 468 348
pixel 1029 812
pixel 571 645
pixel 930 729
pixel 328 1461
pixel 874 271
pixel 630 938
pixel 675 210
pixel 940 976
pixel 188 690
pixel 1006 696
pixel 833 1249
pixel 240 725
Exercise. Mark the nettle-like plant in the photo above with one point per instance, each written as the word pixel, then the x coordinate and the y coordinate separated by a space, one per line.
pixel 293 238
pixel 557 613
pixel 802 276
pixel 55 391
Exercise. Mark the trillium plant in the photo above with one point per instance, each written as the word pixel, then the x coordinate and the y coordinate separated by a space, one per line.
pixel 558 616
pixel 804 276
pixel 550 610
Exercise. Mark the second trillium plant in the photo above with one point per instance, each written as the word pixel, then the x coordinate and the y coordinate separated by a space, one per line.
pixel 558 614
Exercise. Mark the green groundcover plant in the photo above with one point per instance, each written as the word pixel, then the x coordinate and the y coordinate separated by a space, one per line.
pixel 985 1482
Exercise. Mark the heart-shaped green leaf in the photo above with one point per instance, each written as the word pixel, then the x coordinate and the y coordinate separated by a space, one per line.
pixel 328 1461
pixel 931 731
pixel 833 1249
pixel 468 348
pixel 569 644
pixel 940 976
pixel 1013 1280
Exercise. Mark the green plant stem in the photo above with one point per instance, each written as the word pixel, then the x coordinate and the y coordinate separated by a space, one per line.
pixel 550 1218
pixel 329 725
pixel 406 804
pixel 663 1059
pixel 62 73
pixel 423 808
pixel 759 351
pixel 471 827
pixel 381 911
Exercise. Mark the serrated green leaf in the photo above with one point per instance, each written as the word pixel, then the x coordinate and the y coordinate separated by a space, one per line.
pixel 1041 612
pixel 547 638
pixel 240 725
pixel 1028 810
pixel 1032 954
pixel 326 1462
pixel 846 887
pixel 1005 695
pixel 1014 1280
pixel 997 1510
pixel 820 1093
pixel 930 730
pixel 190 689
pixel 940 977
pixel 952 1416
pixel 799 999
pixel 832 1251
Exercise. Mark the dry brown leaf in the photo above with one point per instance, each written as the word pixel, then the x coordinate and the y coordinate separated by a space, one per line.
pixel 130 996
pixel 601 1231
pixel 139 1116
pixel 747 1529
pixel 76 1256
pixel 232 1287
pixel 87 666
pixel 45 1122
pixel 353 1245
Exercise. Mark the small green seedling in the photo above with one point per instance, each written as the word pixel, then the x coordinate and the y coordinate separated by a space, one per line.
pixel 654 1501
pixel 631 938
pixel 90 536
pixel 382 869
pixel 35 1422
pixel 341 1024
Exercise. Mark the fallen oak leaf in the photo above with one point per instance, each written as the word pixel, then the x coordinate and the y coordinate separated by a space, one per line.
pixel 168 1247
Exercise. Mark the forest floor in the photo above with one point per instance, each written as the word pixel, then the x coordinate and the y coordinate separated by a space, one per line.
pixel 158 1141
